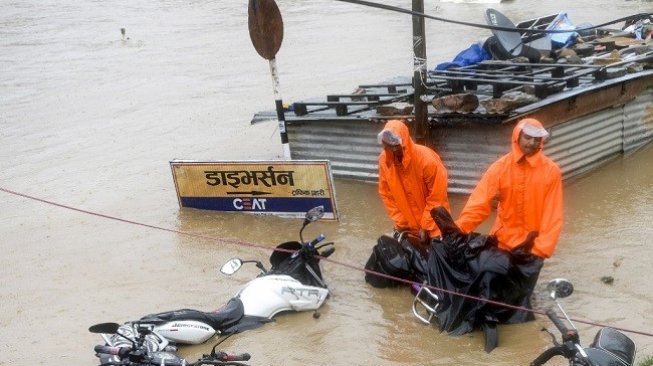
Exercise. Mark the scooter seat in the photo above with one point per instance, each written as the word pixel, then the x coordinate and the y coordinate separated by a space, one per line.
pixel 220 319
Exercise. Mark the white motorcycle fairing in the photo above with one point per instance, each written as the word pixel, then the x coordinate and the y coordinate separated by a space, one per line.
pixel 186 331
pixel 268 295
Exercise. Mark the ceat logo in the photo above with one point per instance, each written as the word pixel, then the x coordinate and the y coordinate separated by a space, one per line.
pixel 250 204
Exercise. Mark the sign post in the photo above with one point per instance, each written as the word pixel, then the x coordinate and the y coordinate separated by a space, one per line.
pixel 266 33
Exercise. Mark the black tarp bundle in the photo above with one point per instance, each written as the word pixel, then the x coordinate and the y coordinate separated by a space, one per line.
pixel 392 258
pixel 470 265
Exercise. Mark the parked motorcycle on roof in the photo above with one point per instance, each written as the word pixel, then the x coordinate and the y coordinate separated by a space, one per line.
pixel 293 283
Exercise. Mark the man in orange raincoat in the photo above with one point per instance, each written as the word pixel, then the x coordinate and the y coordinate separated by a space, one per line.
pixel 528 186
pixel 412 181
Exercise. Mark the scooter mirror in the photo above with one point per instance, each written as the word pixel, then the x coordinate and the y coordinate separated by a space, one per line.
pixel 231 266
pixel 559 288
pixel 104 328
pixel 314 214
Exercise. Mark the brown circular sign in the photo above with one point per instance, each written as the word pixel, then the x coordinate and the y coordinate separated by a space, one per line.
pixel 265 27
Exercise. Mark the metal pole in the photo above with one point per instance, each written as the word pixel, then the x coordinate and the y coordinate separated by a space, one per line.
pixel 280 112
pixel 420 128
pixel 266 33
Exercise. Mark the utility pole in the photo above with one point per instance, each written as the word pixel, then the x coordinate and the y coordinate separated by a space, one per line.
pixel 420 127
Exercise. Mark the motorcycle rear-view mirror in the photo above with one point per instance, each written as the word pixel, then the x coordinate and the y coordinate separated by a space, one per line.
pixel 232 266
pixel 314 214
pixel 104 328
pixel 559 288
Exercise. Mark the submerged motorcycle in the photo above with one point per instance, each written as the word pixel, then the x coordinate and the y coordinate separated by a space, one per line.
pixel 293 283
pixel 610 347
pixel 138 345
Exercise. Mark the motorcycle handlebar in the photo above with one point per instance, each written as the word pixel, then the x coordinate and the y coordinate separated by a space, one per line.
pixel 547 355
pixel 328 252
pixel 570 340
pixel 116 351
pixel 557 322
pixel 236 357
pixel 317 239
pixel 222 358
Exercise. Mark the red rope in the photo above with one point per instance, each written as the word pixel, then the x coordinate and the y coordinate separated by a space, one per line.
pixel 347 265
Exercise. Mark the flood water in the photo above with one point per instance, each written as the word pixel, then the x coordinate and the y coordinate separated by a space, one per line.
pixel 90 121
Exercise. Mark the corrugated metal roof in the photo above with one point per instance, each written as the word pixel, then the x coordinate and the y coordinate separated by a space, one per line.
pixel 467 149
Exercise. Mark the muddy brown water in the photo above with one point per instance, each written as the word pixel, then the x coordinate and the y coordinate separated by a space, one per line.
pixel 90 121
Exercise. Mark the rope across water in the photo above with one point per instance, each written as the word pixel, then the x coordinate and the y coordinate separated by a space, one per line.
pixel 263 247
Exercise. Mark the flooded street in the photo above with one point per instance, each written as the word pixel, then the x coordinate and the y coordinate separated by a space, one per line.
pixel 90 121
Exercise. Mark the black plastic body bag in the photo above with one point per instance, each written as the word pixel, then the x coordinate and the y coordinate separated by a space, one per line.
pixel 470 265
pixel 488 273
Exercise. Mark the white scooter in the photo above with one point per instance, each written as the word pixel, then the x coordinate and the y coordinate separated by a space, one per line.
pixel 293 283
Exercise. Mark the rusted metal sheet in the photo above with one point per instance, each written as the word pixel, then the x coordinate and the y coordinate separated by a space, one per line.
pixel 350 145
pixel 467 151
pixel 638 121
pixel 583 143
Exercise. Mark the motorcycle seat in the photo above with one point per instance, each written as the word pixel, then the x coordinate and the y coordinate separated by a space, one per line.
pixel 220 319
pixel 611 347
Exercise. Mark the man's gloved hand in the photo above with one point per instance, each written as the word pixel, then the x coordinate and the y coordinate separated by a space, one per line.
pixel 398 233
pixel 423 236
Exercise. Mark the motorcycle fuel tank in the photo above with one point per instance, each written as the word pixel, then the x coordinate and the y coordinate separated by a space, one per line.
pixel 186 331
pixel 268 295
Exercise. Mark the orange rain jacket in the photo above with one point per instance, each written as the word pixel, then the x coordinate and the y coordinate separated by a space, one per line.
pixel 410 189
pixel 530 199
